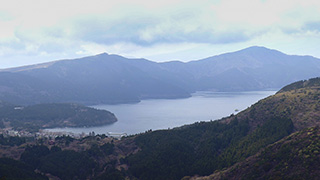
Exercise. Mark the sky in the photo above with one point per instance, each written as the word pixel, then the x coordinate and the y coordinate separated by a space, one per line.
pixel 36 31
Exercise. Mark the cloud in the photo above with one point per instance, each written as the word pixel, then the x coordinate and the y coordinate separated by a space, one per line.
pixel 312 26
pixel 145 30
pixel 164 29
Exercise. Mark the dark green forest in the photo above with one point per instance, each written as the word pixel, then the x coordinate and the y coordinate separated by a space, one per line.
pixel 294 157
pixel 17 170
pixel 33 118
pixel 201 148
pixel 12 140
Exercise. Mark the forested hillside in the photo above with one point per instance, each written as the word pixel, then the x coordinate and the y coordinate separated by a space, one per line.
pixel 40 116
pixel 293 157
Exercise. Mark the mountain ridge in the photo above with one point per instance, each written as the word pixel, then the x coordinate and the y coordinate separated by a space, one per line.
pixel 113 79
pixel 251 50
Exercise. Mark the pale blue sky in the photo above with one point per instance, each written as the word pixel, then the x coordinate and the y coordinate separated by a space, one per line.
pixel 37 31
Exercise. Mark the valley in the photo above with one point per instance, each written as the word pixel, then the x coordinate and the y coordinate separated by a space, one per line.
pixel 272 135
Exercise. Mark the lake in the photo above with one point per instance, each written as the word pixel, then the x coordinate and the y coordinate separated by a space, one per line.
pixel 168 113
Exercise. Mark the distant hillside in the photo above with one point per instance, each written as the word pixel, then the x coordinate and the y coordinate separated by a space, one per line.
pixel 91 80
pixel 253 68
pixel 33 118
pixel 114 79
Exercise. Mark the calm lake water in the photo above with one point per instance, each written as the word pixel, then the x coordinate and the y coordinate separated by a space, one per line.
pixel 168 113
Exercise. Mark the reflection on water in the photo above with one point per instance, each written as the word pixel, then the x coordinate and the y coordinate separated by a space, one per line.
pixel 168 113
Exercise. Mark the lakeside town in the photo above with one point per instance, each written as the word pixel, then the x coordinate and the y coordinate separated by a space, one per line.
pixel 51 135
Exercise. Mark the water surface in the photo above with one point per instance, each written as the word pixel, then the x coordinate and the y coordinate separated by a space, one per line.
pixel 168 113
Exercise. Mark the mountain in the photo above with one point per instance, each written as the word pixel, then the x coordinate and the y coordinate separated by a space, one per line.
pixel 92 80
pixel 113 79
pixel 253 68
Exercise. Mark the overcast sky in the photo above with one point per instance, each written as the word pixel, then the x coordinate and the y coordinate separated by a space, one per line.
pixel 34 31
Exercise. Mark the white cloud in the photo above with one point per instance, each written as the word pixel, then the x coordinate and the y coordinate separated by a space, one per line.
pixel 7 30
pixel 169 29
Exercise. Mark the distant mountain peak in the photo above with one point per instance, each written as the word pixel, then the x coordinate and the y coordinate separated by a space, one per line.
pixel 258 49
pixel 103 54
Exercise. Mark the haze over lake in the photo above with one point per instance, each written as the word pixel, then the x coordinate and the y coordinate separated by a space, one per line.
pixel 168 113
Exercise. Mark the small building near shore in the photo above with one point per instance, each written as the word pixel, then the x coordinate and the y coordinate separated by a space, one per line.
pixel 116 135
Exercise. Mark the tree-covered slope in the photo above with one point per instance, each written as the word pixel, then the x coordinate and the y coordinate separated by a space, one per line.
pixel 293 157
pixel 16 170
pixel 201 148
pixel 53 115
pixel 92 157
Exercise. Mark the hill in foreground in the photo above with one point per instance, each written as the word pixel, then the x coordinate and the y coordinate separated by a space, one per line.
pixel 293 157
pixel 205 147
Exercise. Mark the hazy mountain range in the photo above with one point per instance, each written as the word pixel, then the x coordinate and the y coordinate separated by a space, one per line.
pixel 109 79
